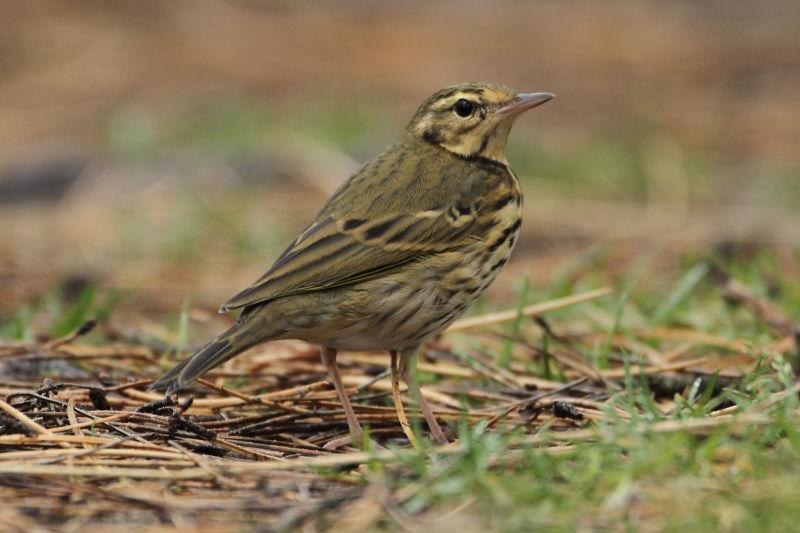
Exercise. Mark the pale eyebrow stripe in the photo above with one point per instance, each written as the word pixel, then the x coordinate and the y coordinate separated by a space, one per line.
pixel 446 104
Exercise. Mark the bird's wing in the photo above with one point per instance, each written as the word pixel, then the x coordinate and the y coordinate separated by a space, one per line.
pixel 336 251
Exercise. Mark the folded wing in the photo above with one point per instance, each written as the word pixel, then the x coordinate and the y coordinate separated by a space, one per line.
pixel 333 252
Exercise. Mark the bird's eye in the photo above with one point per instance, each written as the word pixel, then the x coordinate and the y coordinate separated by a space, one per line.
pixel 463 108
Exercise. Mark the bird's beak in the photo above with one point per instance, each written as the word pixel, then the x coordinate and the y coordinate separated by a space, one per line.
pixel 524 101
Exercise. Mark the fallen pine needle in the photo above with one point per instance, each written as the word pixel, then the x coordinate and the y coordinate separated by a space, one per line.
pixel 23 419
pixel 530 310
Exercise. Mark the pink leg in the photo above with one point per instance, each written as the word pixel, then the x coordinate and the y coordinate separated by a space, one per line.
pixel 408 365
pixel 329 360
pixel 427 412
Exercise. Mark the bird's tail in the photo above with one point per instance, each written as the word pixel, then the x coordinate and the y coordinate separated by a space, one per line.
pixel 225 346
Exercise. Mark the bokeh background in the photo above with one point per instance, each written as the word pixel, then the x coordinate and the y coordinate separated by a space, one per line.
pixel 155 155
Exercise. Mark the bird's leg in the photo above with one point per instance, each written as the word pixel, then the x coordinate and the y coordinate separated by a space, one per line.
pixel 329 360
pixel 398 402
pixel 407 366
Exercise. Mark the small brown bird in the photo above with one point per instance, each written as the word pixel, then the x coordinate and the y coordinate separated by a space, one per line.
pixel 398 252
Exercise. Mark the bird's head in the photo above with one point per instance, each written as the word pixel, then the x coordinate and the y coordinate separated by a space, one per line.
pixel 473 119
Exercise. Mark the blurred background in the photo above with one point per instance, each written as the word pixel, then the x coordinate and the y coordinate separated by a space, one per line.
pixel 156 155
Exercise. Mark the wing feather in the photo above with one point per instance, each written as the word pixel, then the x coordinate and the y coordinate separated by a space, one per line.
pixel 334 252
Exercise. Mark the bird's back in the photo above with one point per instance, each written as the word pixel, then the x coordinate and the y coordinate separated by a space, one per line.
pixel 404 307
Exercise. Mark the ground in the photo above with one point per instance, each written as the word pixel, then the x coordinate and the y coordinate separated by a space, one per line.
pixel 634 367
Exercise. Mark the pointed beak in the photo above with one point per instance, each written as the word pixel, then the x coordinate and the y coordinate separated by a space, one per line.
pixel 524 101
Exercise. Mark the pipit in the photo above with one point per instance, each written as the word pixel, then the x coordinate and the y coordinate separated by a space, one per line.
pixel 397 253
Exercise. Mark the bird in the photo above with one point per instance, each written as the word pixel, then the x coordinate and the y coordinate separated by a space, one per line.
pixel 399 251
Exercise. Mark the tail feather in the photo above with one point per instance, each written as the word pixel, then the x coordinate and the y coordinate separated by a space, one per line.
pixel 213 354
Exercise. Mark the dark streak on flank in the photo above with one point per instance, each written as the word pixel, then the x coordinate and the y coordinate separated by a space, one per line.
pixel 501 202
pixel 503 237
pixel 408 315
pixel 433 326
pixel 498 264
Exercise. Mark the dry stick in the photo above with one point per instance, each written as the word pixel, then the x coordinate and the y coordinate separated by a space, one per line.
pixel 372 381
pixel 785 344
pixel 445 517
pixel 494 372
pixel 301 442
pixel 702 424
pixel 106 449
pixel 438 368
pixel 90 423
pixel 678 351
pixel 23 419
pixel 87 451
pixel 355 458
pixel 535 309
pixel 775 318
pixel 73 420
pixel 72 439
pixel 223 481
pixel 119 429
pixel 219 403
pixel 362 514
pixel 577 363
pixel 279 449
pixel 18 521
pixel 697 337
pixel 336 443
pixel 133 463
pixel 83 329
pixel 225 443
pixel 376 413
pixel 574 358
pixel 533 399
pixel 252 399
pixel 381 385
pixel 770 314
pixel 775 398
pixel 638 369
pixel 621 341
pixel 667 426
pixel 125 386
pixel 156 505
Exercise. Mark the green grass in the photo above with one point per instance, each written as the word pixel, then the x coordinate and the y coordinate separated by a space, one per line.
pixel 741 479
pixel 56 314
pixel 731 477
pixel 629 478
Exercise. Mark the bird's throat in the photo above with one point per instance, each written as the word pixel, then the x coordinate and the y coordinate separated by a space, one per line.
pixel 491 145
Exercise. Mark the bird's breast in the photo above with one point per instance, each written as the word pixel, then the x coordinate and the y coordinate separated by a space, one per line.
pixel 493 250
